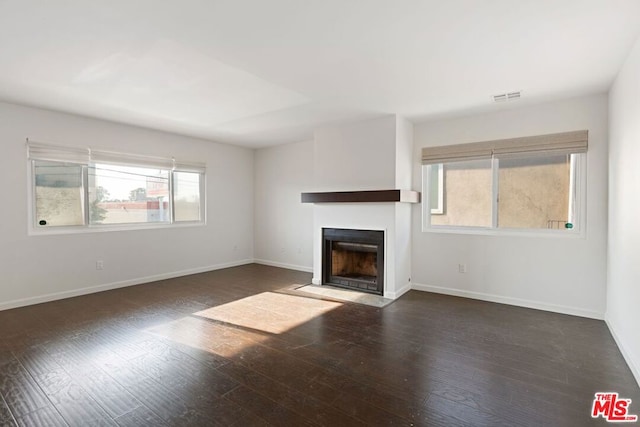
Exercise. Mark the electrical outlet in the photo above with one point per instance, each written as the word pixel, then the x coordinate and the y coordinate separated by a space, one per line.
pixel 99 265
pixel 462 268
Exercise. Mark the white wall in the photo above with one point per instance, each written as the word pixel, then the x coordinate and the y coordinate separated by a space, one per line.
pixel 404 153
pixel 38 268
pixel 358 156
pixel 559 274
pixel 404 161
pixel 623 280
pixel 283 225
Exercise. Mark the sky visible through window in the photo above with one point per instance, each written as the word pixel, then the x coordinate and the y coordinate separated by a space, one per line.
pixel 120 181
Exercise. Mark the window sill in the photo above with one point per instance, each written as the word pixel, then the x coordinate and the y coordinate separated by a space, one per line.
pixel 508 232
pixel 109 228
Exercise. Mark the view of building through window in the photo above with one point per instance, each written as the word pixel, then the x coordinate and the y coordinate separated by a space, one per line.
pixel 533 192
pixel 467 192
pixel 128 195
pixel 114 194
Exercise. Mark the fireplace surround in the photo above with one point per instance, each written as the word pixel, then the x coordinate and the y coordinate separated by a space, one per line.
pixel 353 259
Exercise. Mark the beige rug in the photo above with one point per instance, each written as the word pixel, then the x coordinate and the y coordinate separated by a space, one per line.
pixel 339 294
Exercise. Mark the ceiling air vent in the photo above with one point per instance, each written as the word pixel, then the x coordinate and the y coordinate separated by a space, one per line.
pixel 509 96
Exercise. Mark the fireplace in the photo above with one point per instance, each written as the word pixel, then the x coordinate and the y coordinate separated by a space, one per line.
pixel 353 259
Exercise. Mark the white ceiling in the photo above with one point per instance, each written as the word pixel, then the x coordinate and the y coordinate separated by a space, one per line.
pixel 264 72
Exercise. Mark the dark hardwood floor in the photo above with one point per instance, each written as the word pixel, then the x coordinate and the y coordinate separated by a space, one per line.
pixel 225 348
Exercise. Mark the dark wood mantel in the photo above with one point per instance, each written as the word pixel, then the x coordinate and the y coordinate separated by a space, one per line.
pixel 371 196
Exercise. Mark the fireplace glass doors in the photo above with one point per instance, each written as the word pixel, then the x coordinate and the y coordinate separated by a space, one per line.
pixel 353 259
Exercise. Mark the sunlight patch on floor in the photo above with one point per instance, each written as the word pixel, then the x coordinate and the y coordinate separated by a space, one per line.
pixel 269 312
pixel 230 329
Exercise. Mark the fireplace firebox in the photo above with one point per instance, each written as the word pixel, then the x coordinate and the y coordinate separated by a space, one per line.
pixel 353 259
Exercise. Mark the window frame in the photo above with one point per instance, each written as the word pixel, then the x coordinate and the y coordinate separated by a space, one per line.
pixel 577 205
pixel 439 210
pixel 127 160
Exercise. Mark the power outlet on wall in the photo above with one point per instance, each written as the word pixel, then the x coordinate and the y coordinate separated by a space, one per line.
pixel 99 265
pixel 462 268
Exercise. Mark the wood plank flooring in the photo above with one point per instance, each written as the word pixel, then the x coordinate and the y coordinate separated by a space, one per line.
pixel 224 348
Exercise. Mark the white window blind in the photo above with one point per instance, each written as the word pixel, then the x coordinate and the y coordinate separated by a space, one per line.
pixel 49 152
pixel 56 153
pixel 109 157
pixel 553 144
pixel 189 166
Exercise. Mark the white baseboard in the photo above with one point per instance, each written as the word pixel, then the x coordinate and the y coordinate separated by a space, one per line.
pixel 316 281
pixel 574 311
pixel 22 302
pixel 628 356
pixel 284 265
pixel 397 294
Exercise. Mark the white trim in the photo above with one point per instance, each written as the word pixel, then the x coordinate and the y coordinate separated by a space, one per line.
pixel 509 232
pixel 495 191
pixel 284 265
pixel 574 311
pixel 22 302
pixel 573 194
pixel 316 281
pixel 581 192
pixel 439 210
pixel 81 229
pixel 397 294
pixel 628 357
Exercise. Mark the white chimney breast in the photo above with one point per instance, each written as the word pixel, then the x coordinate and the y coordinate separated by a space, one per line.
pixel 369 155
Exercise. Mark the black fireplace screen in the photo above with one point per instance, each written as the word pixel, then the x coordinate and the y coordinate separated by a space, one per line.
pixel 353 259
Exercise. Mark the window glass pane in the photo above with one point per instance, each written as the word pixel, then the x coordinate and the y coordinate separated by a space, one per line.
pixel 534 192
pixel 186 196
pixel 126 195
pixel 467 189
pixel 59 194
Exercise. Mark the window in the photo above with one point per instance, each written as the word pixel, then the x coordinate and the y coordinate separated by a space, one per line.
pixel 79 190
pixel 533 183
pixel 128 195
pixel 535 192
pixel 187 196
pixel 467 194
pixel 59 193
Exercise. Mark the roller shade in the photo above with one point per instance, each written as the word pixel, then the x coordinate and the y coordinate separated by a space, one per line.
pixel 98 156
pixel 189 167
pixel 552 144
pixel 56 153
pixel 456 153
